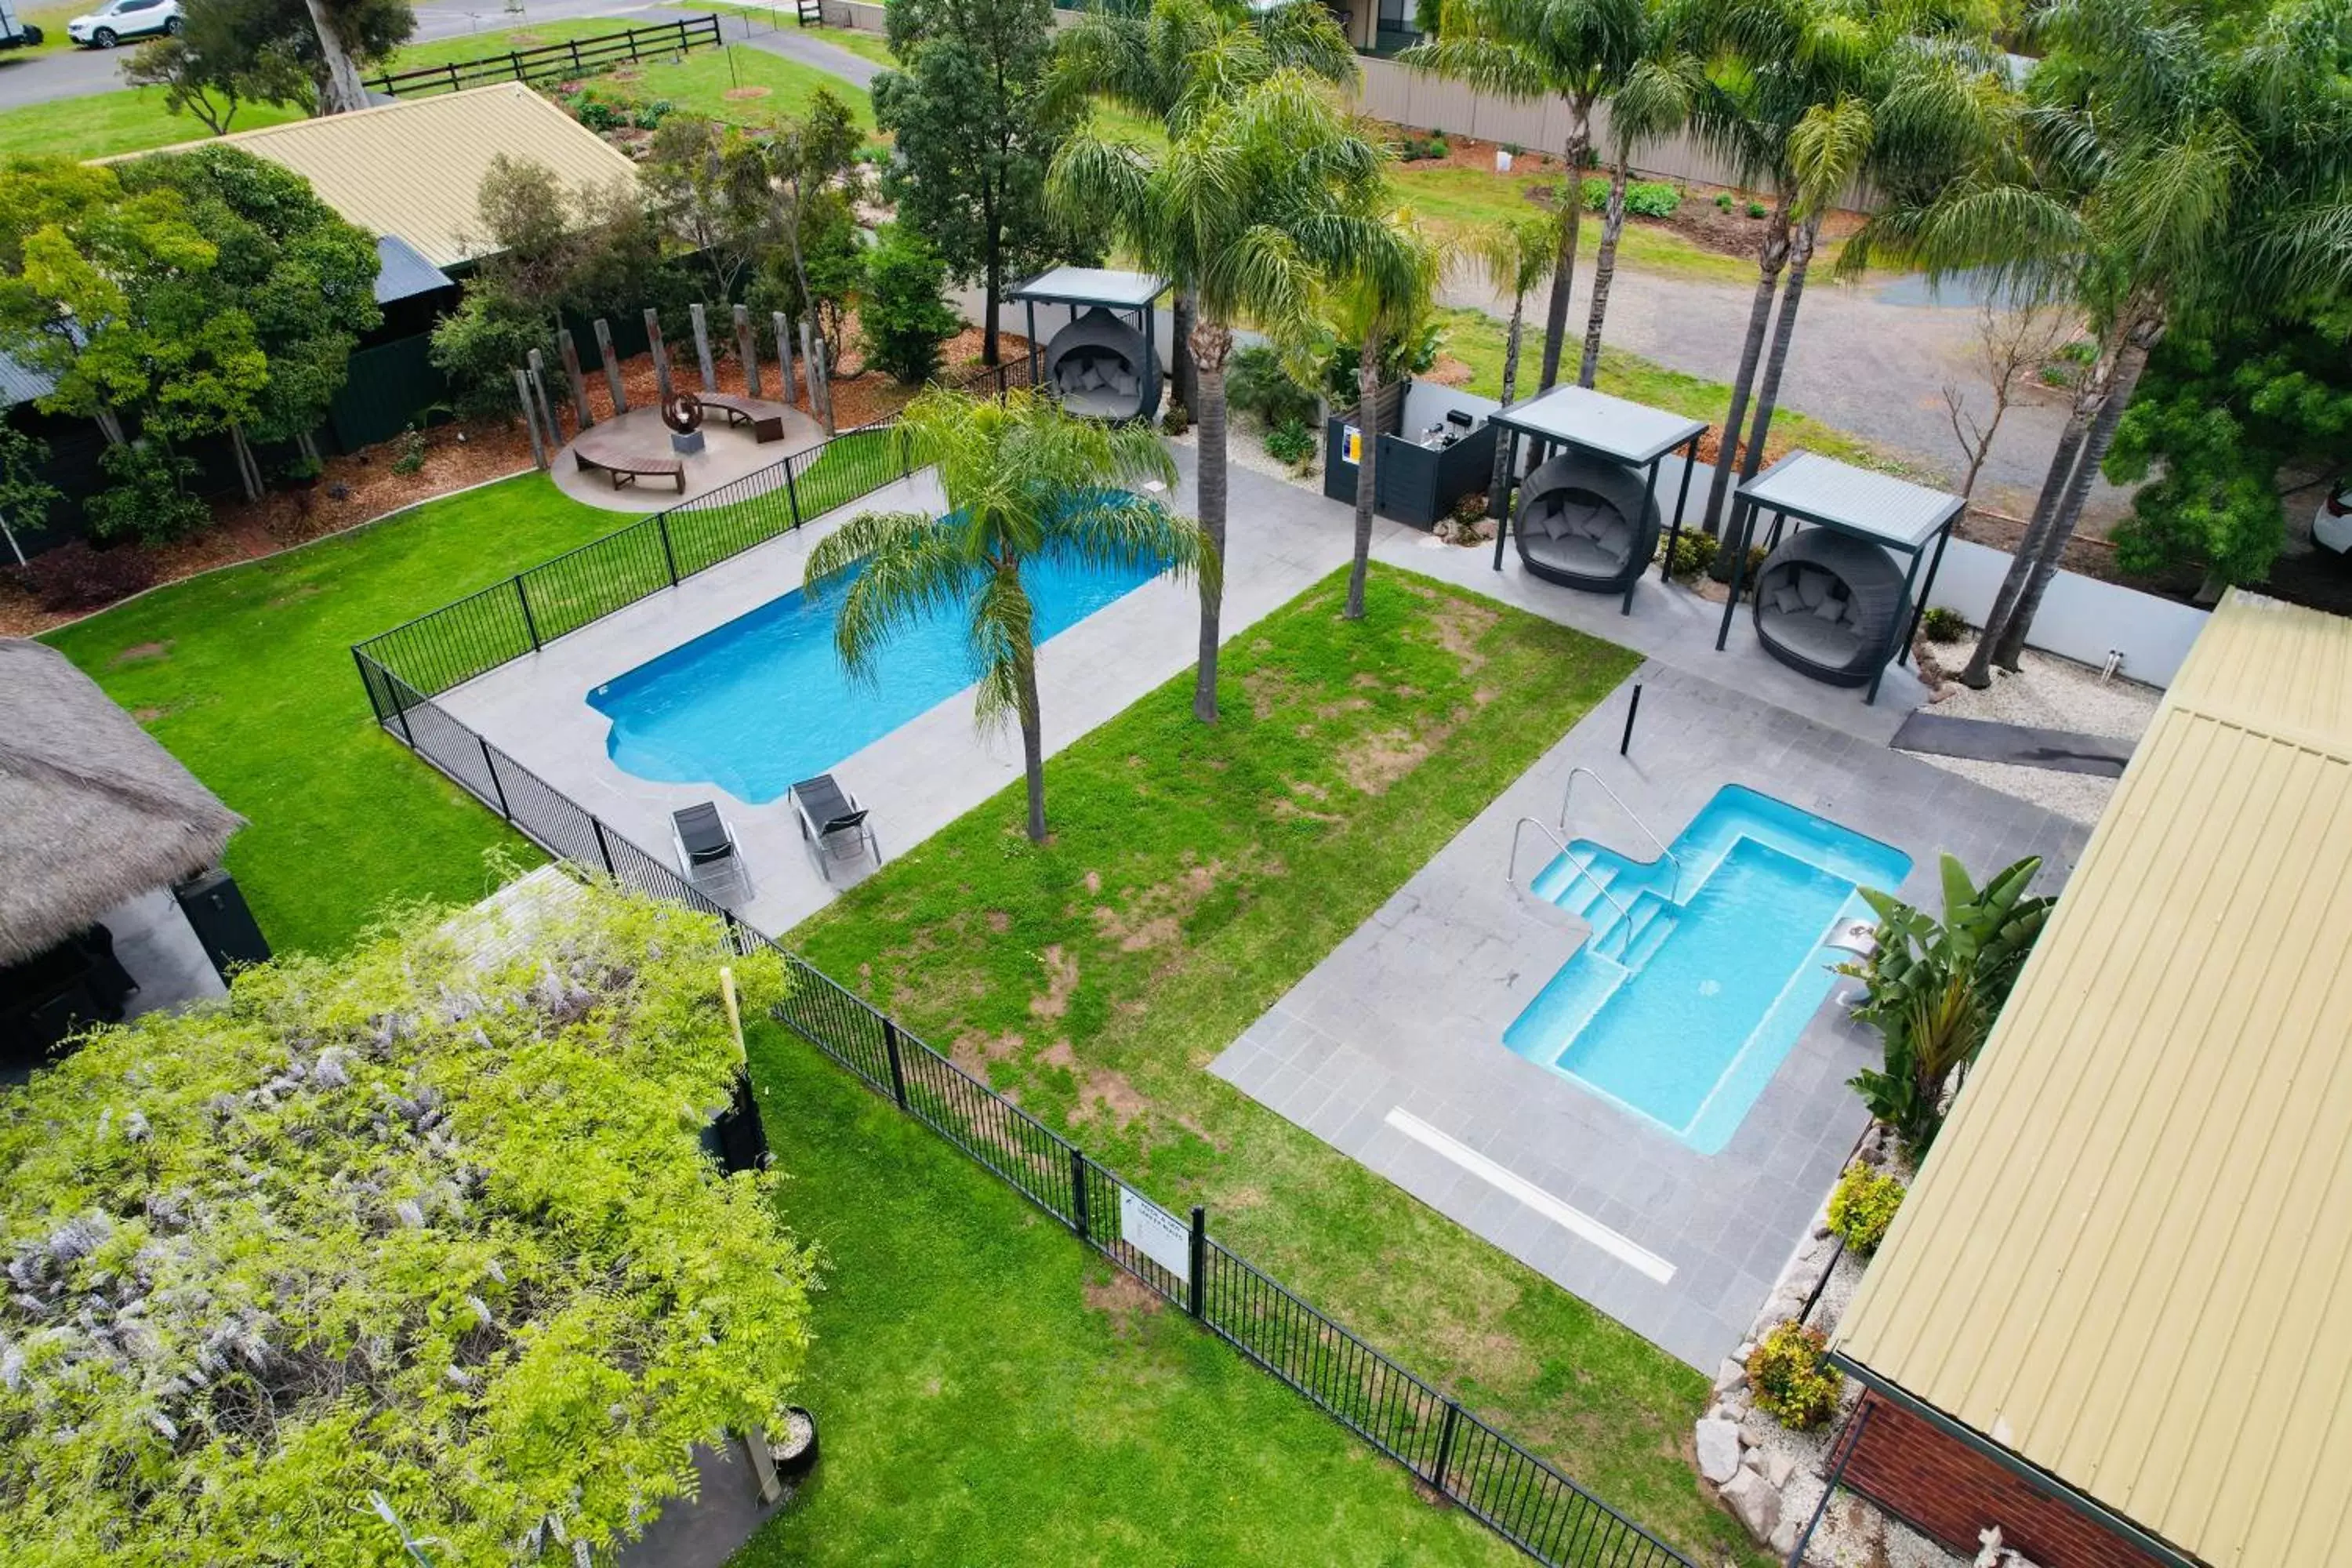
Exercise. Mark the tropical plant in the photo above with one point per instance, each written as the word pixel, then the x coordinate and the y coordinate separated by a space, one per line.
pixel 1024 483
pixel 1292 442
pixel 1862 1206
pixel 1177 61
pixel 902 311
pixel 1514 254
pixel 1380 301
pixel 1934 987
pixel 1579 51
pixel 1790 1371
pixel 429 1221
pixel 1248 210
pixel 1650 99
pixel 1259 382
pixel 1943 624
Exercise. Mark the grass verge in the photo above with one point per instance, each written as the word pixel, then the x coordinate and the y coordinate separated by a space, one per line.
pixel 1194 874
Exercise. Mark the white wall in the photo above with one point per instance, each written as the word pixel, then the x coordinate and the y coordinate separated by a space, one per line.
pixel 1426 403
pixel 2081 617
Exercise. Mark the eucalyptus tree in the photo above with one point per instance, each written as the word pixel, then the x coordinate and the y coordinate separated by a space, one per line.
pixel 1514 254
pixel 1026 484
pixel 1178 60
pixel 1579 51
pixel 1382 297
pixel 1249 209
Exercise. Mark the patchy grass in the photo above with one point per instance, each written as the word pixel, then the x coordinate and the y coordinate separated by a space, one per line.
pixel 1453 199
pixel 1193 875
pixel 990 1392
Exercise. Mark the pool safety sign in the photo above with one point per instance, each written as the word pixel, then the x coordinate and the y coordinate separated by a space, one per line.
pixel 1155 1233
pixel 1351 443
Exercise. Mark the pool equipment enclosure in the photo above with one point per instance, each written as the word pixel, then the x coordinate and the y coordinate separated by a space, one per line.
pixel 1587 514
pixel 1102 364
pixel 1863 611
pixel 1419 477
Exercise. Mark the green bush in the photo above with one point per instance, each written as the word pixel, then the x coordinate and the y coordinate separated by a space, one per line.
pixel 1257 381
pixel 479 346
pixel 649 116
pixel 1942 624
pixel 1291 442
pixel 597 114
pixel 1755 209
pixel 1177 420
pixel 146 495
pixel 1793 1382
pixel 904 315
pixel 1723 200
pixel 1863 1207
pixel 1412 147
pixel 1643 198
pixel 1693 553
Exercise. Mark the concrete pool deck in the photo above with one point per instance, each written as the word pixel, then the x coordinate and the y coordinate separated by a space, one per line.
pixel 1391 1049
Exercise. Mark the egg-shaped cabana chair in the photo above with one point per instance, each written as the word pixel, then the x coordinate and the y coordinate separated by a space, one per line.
pixel 1584 521
pixel 1102 368
pixel 1830 604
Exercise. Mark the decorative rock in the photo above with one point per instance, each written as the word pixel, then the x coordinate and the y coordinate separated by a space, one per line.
pixel 1784 1537
pixel 1779 1467
pixel 1753 1502
pixel 1749 1439
pixel 1731 1374
pixel 1746 1348
pixel 1719 1450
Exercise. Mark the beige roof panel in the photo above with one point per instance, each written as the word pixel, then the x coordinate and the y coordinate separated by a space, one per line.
pixel 414 168
pixel 2129 1257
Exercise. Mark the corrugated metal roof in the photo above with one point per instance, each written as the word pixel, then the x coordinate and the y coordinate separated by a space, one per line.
pixel 1093 286
pixel 414 168
pixel 2129 1259
pixel 1629 432
pixel 21 382
pixel 1826 491
pixel 402 274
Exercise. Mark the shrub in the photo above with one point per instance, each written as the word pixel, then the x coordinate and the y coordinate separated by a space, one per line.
pixel 1412 147
pixel 146 495
pixel 1257 382
pixel 1693 553
pixel 1794 1383
pixel 649 116
pixel 480 345
pixel 1723 200
pixel 1643 198
pixel 1471 508
pixel 1177 420
pixel 904 314
pixel 74 576
pixel 1291 442
pixel 411 451
pixel 1755 209
pixel 1863 1207
pixel 1942 624
pixel 596 113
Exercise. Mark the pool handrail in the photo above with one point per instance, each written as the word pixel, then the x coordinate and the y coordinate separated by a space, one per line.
pixel 1675 890
pixel 1511 871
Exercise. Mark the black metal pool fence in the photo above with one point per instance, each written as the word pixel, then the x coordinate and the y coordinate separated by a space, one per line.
pixel 1445 1447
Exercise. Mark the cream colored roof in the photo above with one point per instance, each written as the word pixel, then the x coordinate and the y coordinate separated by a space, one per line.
pixel 414 168
pixel 2129 1259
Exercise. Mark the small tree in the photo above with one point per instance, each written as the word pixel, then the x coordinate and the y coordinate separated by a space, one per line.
pixel 709 182
pixel 25 495
pixel 902 313
pixel 224 56
pixel 146 495
pixel 2013 341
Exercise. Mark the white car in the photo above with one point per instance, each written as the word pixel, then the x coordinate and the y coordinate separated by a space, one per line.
pixel 120 19
pixel 2331 528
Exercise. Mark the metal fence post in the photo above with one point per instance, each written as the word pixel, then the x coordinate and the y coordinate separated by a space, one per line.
pixel 375 707
pixel 1444 1445
pixel 792 491
pixel 661 521
pixel 530 621
pixel 490 766
pixel 603 847
pixel 898 1068
pixel 1199 1258
pixel 1078 1220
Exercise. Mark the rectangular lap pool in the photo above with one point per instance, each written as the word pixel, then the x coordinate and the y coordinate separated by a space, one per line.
pixel 761 702
pixel 1695 982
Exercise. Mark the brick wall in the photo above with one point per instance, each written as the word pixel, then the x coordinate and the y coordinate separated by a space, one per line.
pixel 1951 1491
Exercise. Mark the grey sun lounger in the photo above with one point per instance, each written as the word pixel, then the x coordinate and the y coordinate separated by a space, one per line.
pixel 833 824
pixel 706 845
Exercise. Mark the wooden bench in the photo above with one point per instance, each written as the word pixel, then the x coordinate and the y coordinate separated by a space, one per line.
pixel 765 418
pixel 625 463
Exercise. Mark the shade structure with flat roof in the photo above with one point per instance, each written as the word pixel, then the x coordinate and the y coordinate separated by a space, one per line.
pixel 2123 1270
pixel 1104 364
pixel 1610 452
pixel 1869 614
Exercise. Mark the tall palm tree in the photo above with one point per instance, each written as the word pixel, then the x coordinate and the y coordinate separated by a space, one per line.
pixel 1514 254
pixel 1381 299
pixel 1024 483
pixel 1249 209
pixel 1178 60
pixel 1576 50
pixel 1653 101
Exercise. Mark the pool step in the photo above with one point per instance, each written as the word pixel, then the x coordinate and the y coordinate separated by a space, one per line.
pixel 1644 945
pixel 1569 1002
pixel 1631 929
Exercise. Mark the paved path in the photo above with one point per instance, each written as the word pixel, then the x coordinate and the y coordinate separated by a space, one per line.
pixel 61 73
pixel 793 44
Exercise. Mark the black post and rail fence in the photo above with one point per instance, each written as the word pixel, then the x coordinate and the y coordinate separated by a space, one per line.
pixel 568 61
pixel 1448 1449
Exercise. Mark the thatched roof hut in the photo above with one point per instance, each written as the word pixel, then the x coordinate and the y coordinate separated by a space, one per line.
pixel 92 811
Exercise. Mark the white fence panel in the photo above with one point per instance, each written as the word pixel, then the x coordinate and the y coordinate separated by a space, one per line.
pixel 2081 617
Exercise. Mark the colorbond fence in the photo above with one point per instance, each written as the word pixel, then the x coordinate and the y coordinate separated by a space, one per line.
pixel 567 61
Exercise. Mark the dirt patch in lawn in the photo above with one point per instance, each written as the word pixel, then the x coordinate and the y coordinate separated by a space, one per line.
pixel 1154 916
pixel 1061 980
pixel 143 653
pixel 1372 763
pixel 1124 1299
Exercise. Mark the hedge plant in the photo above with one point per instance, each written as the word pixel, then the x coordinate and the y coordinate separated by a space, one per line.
pixel 1792 1379
pixel 1863 1207
pixel 409 1248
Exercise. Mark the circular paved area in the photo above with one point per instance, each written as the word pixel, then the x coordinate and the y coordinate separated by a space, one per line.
pixel 727 453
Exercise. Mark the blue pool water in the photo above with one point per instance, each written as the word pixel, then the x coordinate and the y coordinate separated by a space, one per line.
pixel 761 702
pixel 1693 988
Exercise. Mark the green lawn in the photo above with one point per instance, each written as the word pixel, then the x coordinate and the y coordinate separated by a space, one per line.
pixel 133 121
pixel 1193 876
pixel 989 1392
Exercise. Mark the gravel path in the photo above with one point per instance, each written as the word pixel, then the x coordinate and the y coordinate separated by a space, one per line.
pixel 2053 693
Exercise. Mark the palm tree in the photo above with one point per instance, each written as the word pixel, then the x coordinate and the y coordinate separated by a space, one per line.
pixel 1379 302
pixel 1178 61
pixel 1025 482
pixel 1577 50
pixel 1249 210
pixel 1514 254
pixel 1651 103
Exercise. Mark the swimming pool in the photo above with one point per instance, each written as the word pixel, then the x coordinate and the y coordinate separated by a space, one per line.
pixel 1694 984
pixel 761 702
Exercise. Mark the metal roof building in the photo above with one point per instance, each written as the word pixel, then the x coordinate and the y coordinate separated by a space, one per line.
pixel 2125 1272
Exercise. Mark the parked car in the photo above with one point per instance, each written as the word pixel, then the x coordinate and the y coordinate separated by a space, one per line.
pixel 15 32
pixel 2331 528
pixel 120 19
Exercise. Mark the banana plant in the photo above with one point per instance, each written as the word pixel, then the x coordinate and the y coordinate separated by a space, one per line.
pixel 1934 987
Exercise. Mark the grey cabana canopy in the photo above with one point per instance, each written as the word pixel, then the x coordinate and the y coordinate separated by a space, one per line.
pixel 1589 516
pixel 1102 365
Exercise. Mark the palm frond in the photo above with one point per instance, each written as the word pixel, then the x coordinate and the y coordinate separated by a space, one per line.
pixel 895 569
pixel 1003 638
